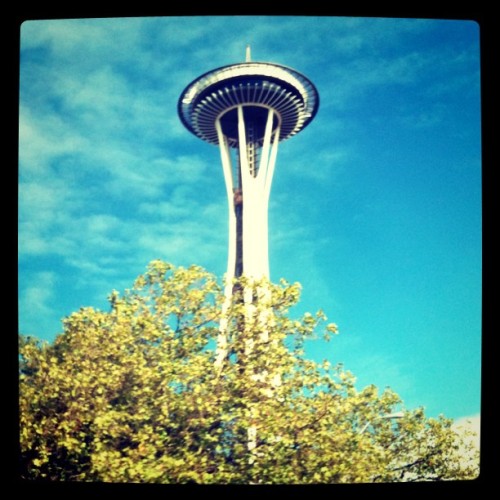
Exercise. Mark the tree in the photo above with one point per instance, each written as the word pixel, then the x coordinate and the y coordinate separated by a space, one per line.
pixel 133 395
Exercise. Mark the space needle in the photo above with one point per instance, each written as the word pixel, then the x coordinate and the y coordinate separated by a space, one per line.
pixel 247 109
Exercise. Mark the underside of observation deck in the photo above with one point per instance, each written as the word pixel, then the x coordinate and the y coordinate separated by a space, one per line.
pixel 257 87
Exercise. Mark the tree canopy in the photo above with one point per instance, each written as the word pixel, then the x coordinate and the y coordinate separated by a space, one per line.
pixel 135 394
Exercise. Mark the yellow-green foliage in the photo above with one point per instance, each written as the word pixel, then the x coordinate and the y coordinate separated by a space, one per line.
pixel 132 395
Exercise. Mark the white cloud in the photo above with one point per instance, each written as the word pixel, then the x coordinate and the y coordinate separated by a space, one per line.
pixel 328 162
pixel 101 93
pixel 165 209
pixel 385 371
pixel 44 136
pixel 67 37
pixel 46 205
pixel 36 297
pixel 103 143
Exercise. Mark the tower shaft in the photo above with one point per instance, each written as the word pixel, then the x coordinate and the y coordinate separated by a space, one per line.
pixel 248 186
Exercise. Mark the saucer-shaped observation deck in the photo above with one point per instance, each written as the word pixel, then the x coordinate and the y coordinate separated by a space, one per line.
pixel 257 87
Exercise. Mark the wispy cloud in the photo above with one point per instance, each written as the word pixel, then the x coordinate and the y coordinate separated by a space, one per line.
pixel 36 298
pixel 384 371
pixel 92 138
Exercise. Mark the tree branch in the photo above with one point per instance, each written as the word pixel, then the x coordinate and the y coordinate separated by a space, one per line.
pixel 317 419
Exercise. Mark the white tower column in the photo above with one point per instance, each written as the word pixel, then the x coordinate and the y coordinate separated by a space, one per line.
pixel 255 191
pixel 256 187
pixel 252 180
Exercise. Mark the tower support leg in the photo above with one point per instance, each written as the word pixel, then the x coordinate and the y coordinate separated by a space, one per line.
pixel 250 222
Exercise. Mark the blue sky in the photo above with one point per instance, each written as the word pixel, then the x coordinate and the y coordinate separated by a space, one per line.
pixel 375 206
